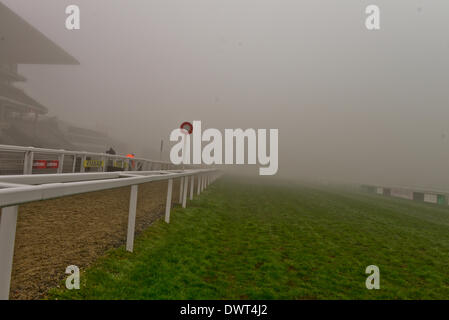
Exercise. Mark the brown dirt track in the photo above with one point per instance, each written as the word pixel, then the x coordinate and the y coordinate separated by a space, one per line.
pixel 54 234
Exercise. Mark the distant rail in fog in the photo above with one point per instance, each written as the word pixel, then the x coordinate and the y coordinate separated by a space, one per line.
pixel 30 160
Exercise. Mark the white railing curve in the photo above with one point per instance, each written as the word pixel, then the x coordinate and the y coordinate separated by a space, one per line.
pixel 19 189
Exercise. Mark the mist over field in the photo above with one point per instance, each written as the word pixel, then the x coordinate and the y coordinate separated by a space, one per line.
pixel 351 105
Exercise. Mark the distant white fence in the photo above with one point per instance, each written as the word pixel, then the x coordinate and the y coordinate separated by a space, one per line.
pixel 424 195
pixel 29 160
pixel 19 189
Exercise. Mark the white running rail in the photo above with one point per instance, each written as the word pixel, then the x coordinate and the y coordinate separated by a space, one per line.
pixel 19 189
pixel 74 160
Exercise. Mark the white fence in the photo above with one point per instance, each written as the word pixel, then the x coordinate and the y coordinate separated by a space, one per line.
pixel 19 189
pixel 16 160
pixel 418 194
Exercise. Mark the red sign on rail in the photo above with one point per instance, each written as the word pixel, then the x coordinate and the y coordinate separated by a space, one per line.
pixel 45 164
pixel 39 164
pixel 52 164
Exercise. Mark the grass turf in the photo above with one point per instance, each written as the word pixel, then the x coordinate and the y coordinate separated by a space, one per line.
pixel 244 240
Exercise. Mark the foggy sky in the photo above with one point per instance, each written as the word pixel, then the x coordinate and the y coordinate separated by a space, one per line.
pixel 350 104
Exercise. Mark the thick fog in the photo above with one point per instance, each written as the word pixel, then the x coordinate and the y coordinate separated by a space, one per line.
pixel 351 105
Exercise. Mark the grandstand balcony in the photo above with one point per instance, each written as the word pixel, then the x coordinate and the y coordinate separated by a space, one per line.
pixel 21 43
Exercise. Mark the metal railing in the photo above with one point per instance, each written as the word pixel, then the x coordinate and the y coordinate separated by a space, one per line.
pixel 19 189
pixel 17 159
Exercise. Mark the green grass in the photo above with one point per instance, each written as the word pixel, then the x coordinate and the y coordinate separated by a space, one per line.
pixel 243 240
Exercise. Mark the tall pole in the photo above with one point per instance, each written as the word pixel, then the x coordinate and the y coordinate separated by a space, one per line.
pixel 184 151
pixel 162 148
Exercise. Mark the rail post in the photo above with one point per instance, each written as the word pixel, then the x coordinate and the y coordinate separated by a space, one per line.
pixel 74 163
pixel 28 162
pixel 8 222
pixel 60 163
pixel 132 218
pixel 181 186
pixel 192 185
pixel 199 185
pixel 83 158
pixel 168 203
pixel 184 194
pixel 105 163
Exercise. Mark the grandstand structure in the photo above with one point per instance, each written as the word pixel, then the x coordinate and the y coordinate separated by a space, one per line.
pixel 86 139
pixel 23 120
pixel 21 43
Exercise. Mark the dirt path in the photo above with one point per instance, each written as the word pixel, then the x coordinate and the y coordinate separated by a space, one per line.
pixel 76 230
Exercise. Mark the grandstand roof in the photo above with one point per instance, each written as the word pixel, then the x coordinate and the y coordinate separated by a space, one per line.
pixel 21 43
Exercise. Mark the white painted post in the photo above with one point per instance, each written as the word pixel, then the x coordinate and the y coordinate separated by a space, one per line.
pixel 132 218
pixel 192 185
pixel 83 158
pixel 184 194
pixel 181 186
pixel 74 163
pixel 8 222
pixel 25 162
pixel 105 164
pixel 168 203
pixel 28 162
pixel 61 163
pixel 199 185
